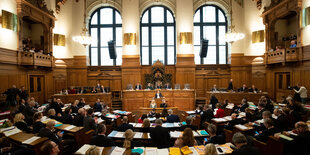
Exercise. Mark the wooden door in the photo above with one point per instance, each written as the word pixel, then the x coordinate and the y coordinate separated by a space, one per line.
pixel 36 83
pixel 282 81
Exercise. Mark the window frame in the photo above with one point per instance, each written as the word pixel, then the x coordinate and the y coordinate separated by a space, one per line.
pixel 165 25
pixel 98 26
pixel 217 24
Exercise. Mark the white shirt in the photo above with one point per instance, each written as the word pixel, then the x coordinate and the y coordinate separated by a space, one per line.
pixel 302 91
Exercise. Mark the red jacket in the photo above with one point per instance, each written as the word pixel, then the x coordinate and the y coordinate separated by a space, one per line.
pixel 219 113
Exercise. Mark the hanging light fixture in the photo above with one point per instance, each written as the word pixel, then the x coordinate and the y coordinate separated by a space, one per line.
pixel 84 38
pixel 232 36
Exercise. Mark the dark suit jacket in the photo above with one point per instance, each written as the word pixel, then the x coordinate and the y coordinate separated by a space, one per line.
pixel 207 116
pixel 37 126
pixel 160 137
pixel 252 90
pixel 243 89
pixel 29 112
pixel 214 89
pixel 123 127
pixel 282 123
pixel 258 114
pixel 89 124
pixel 160 95
pixel 263 137
pixel 102 141
pixel 213 102
pixel 183 127
pixel 44 132
pixel 23 95
pixel 74 109
pixel 243 107
pixel 173 118
pixel 300 144
pixel 230 86
pixel 82 91
pixel 97 107
pixel 218 139
pixel 56 106
pixel 78 120
pixel 23 126
pixel 234 122
pixel 167 86
pixel 246 150
pixel 67 119
pixel 138 87
pixel 81 104
pixel 163 105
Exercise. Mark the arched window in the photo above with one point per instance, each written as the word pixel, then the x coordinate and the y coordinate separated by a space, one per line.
pixel 210 23
pixel 157 38
pixel 105 24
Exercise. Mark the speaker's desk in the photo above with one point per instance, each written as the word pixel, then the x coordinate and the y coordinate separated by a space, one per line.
pixel 89 98
pixel 182 99
pixel 235 97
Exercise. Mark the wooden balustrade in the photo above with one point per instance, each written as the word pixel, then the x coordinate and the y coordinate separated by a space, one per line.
pixel 283 55
pixel 36 59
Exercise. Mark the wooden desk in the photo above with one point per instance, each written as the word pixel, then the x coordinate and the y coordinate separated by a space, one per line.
pixel 89 98
pixel 182 99
pixel 235 97
pixel 146 110
pixel 19 138
pixel 76 132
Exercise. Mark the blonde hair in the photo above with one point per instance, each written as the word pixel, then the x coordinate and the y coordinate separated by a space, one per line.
pixel 210 149
pixel 146 123
pixel 76 102
pixel 19 118
pixel 93 150
pixel 51 112
pixel 128 137
pixel 153 101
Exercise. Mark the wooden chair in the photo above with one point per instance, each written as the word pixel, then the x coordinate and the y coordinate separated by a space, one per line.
pixel 131 118
pixel 274 143
pixel 228 135
pixel 109 129
pixel 88 136
pixel 261 146
pixel 196 121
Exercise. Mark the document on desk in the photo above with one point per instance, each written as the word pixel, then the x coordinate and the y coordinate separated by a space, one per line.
pixel 151 151
pixel 30 140
pixel 7 129
pixel 12 132
pixel 118 151
pixel 175 134
pixel 219 119
pixel 85 147
pixel 133 124
pixel 242 127
pixel 228 118
pixel 139 125
pixel 69 127
pixel 194 151
pixel 195 134
pixel 162 151
pixel 138 135
pixel 176 124
pixel 119 134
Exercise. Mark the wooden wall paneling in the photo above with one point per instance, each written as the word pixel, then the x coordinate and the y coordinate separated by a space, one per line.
pixel 131 70
pixel 200 83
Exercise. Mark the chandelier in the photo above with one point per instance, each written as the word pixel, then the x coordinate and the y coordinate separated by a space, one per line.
pixel 232 36
pixel 84 38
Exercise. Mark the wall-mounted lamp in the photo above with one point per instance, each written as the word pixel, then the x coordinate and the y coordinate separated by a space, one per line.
pixel 59 40
pixel 186 38
pixel 9 21
pixel 258 36
pixel 130 39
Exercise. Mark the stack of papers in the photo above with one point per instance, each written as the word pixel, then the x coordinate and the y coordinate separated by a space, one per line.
pixel 203 132
pixel 69 127
pixel 176 124
pixel 118 151
pixel 97 113
pixel 30 140
pixel 194 152
pixel 119 134
pixel 99 120
pixel 219 120
pixel 195 134
pixel 242 127
pixel 162 151
pixel 138 135
pixel 85 147
pixel 191 112
pixel 230 106
pixel 168 125
pixel 6 129
pixel 200 149
pixel 225 148
pixel 175 134
pixel 12 132
pixel 228 118
pixel 151 151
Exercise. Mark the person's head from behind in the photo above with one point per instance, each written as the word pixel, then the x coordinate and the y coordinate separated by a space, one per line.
pixel 37 116
pixel 49 148
pixel 189 120
pixel 301 127
pixel 125 119
pixel 212 129
pixel 101 129
pixel 260 106
pixel 218 105
pixel 81 111
pixel 210 149
pixel 157 115
pixel 98 100
pixel 266 114
pixel 144 116
pixel 93 150
pixel 51 112
pixel 75 103
pixel 146 123
pixel 158 122
pixel 188 137
pixel 244 101
pixel 268 123
pixel 277 111
pixel 90 112
pixel 234 116
pixel 19 118
pixel 32 103
pixel 68 110
pixel 128 138
pixel 50 125
pixel 239 139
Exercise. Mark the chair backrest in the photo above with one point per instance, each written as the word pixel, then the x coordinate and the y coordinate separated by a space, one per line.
pixel 129 87
pixel 88 136
pixel 196 121
pixel 228 135
pixel 273 143
pixel 261 146
pixel 177 86
pixel 187 86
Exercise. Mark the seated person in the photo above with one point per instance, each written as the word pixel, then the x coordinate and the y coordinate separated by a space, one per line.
pixel 187 139
pixel 163 103
pixel 123 127
pixel 129 143
pixel 225 103
pixel 234 121
pixel 82 90
pixel 258 113
pixel 140 120
pixel 160 136
pixel 52 115
pixel 94 90
pixel 198 110
pixel 242 145
pixel 214 88
pixel 82 103
pixel 74 107
pixel 158 85
pixel 149 86
pixel 49 148
pixel 48 132
pixel 71 90
pixel 172 118
pixel 98 106
pixel 98 87
pixel 213 101
pixel 282 121
pixel 253 89
pixel 79 118
pixel 219 112
pixel 67 118
pixel 103 90
pixel 269 131
pixel 138 86
pixel 293 44
pixel 167 86
pixel 89 122
pixel 152 113
pixel 37 124
pixel 101 139
pixel 241 107
pixel 243 88
pixel 158 94
pixel 189 121
pixel 207 114
pixel 153 104
pixel 129 87
pixel 214 137
pixel 146 126
pixel 210 149
pixel 164 113
pixel 20 123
